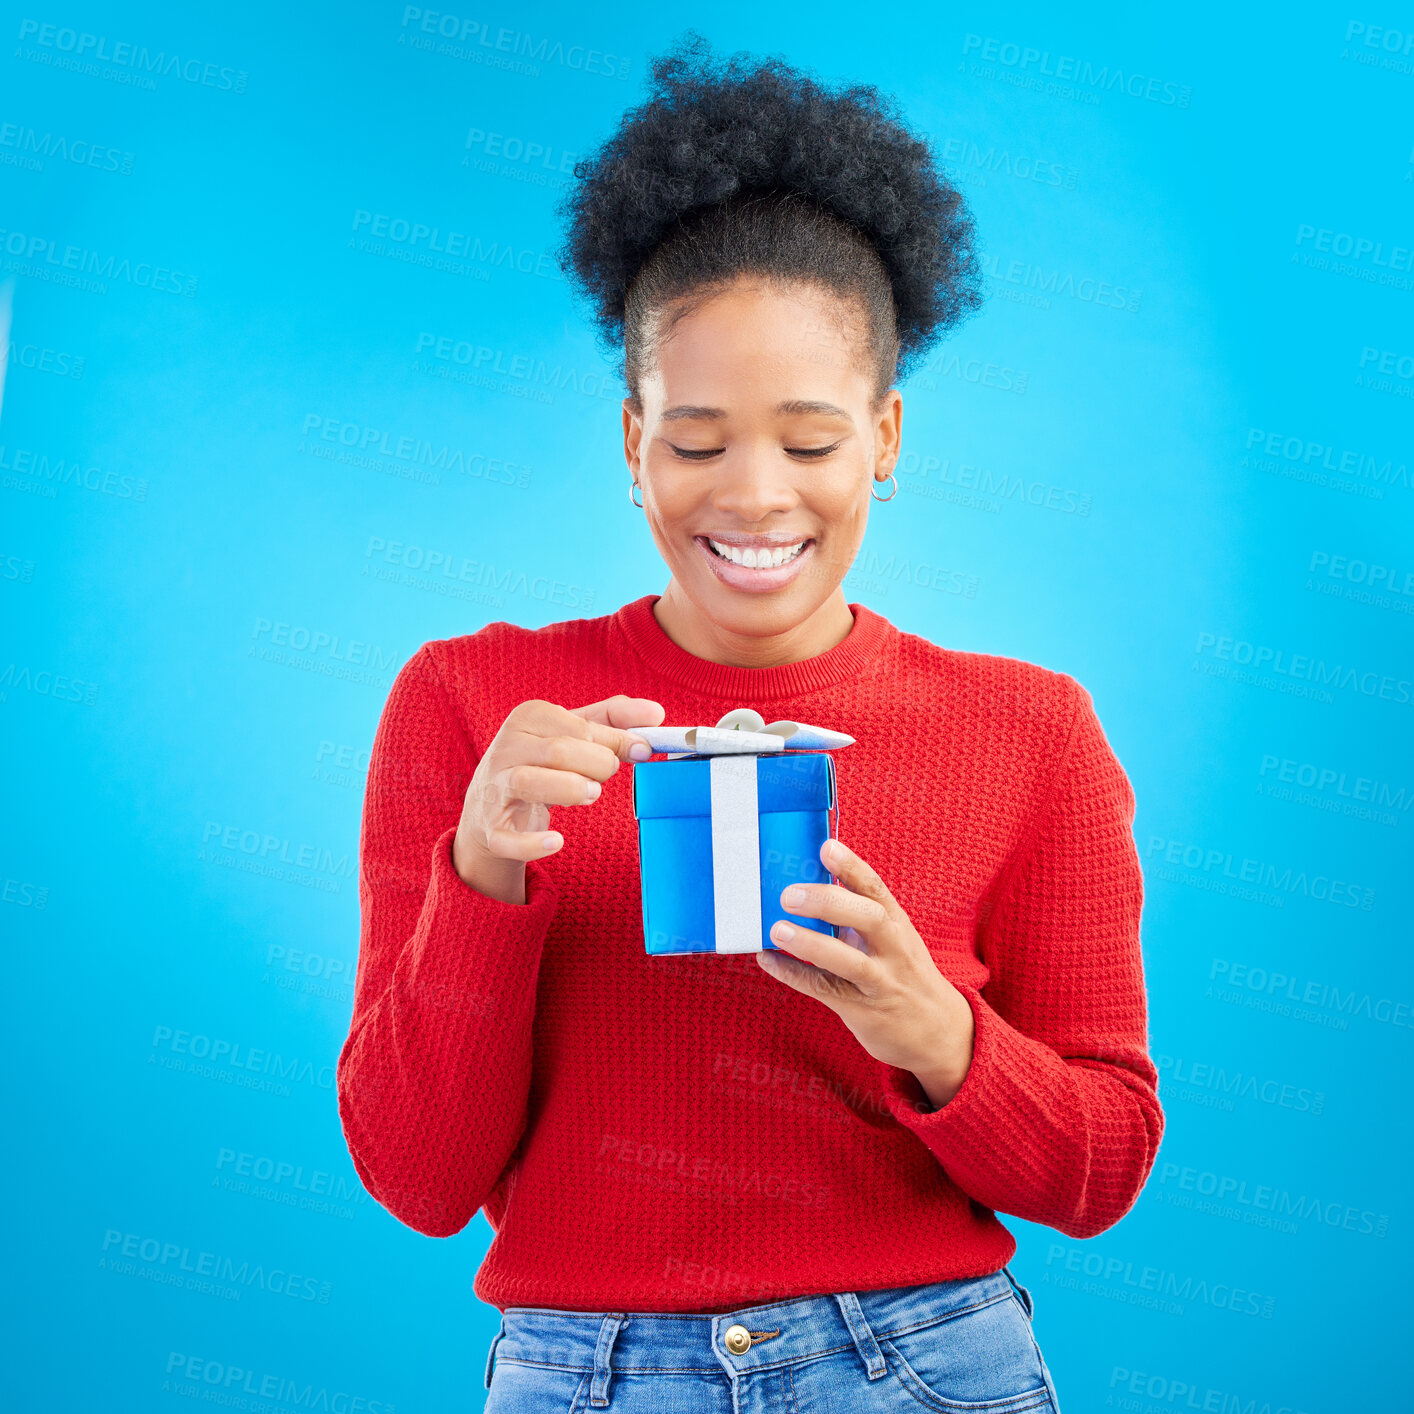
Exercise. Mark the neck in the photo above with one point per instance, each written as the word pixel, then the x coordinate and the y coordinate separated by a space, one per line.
pixel 695 633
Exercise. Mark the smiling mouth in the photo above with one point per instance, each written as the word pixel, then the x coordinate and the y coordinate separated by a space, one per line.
pixel 764 558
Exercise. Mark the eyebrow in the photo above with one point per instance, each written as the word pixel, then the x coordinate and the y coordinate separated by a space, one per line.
pixel 795 407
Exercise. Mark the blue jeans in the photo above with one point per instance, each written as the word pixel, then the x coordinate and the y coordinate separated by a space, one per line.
pixel 949 1346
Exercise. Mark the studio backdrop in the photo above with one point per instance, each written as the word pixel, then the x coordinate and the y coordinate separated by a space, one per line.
pixel 293 384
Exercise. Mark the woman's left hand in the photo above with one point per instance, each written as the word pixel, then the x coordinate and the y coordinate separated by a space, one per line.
pixel 878 976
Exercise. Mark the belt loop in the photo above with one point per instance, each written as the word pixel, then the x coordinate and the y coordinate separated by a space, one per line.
pixel 491 1354
pixel 1022 1294
pixel 599 1385
pixel 864 1340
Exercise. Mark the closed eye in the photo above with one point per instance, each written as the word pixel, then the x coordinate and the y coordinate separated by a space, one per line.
pixel 808 453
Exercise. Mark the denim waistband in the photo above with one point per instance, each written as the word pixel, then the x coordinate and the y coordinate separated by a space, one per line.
pixel 782 1331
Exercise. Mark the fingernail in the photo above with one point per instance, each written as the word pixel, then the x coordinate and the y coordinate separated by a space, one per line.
pixel 833 852
pixel 782 932
pixel 592 790
pixel 793 895
pixel 639 751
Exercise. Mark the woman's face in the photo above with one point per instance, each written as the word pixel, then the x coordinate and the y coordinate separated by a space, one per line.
pixel 757 434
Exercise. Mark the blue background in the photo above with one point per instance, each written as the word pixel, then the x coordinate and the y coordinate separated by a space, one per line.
pixel 1164 458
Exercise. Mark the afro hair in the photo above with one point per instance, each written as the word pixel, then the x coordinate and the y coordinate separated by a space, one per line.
pixel 712 135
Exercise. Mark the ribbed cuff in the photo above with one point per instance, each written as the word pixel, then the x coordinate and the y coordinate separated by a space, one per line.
pixel 989 1129
pixel 446 879
pixel 463 933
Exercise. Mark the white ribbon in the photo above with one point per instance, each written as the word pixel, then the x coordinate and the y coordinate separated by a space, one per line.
pixel 736 853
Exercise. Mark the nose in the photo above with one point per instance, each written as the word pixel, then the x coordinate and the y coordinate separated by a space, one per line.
pixel 752 485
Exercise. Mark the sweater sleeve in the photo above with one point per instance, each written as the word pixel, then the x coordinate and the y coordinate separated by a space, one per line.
pixel 434 1074
pixel 1058 1120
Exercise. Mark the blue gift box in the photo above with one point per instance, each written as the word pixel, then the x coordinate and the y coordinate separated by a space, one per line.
pixel 723 831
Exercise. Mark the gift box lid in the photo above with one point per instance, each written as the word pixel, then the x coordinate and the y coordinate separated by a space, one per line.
pixel 789 781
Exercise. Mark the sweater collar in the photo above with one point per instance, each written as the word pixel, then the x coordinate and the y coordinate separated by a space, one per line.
pixel 862 651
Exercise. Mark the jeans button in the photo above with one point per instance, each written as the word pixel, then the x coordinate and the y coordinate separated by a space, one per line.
pixel 737 1339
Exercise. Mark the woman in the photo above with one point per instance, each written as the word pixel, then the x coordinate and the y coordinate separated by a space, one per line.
pixel 764 1181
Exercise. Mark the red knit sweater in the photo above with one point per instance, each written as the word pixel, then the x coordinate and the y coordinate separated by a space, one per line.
pixel 689 1133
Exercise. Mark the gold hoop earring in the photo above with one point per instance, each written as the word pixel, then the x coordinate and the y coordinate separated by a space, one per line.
pixel 874 490
pixel 632 487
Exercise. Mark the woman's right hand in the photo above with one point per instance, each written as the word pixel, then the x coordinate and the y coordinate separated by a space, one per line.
pixel 543 755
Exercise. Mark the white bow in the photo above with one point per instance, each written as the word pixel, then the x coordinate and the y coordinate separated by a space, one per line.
pixel 741 732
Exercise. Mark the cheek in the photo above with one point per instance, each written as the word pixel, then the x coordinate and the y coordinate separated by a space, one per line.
pixel 671 509
pixel 844 507
pixel 671 493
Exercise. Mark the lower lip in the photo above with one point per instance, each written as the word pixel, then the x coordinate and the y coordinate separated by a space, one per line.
pixel 754 581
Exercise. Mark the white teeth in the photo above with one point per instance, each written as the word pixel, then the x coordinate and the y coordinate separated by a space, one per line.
pixel 757 559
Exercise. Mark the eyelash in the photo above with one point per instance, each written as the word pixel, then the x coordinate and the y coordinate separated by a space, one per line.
pixel 809 453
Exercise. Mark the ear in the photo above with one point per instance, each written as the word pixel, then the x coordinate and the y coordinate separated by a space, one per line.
pixel 888 433
pixel 633 433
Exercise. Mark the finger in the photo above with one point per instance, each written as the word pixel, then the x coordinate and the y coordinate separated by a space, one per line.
pixel 522 845
pixel 549 721
pixel 832 903
pixel 846 963
pixel 545 785
pixel 846 959
pixel 617 716
pixel 857 876
pixel 809 981
pixel 624 711
pixel 578 758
